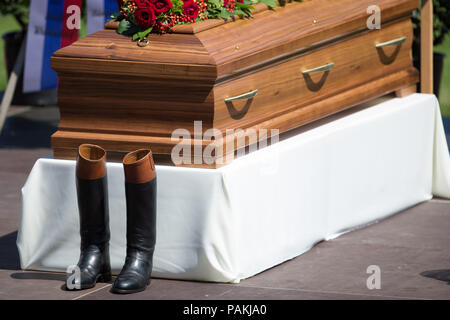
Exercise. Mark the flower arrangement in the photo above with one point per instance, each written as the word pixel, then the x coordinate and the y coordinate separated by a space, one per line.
pixel 140 17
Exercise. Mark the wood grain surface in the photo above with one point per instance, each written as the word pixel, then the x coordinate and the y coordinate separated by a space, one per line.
pixel 229 48
pixel 426 46
pixel 124 97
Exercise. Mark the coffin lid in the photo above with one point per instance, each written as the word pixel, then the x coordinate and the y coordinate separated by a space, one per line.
pixel 215 51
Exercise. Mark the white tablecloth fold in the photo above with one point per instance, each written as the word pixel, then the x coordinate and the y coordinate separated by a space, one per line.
pixel 266 207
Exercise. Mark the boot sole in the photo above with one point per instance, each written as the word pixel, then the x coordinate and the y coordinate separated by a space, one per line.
pixel 124 291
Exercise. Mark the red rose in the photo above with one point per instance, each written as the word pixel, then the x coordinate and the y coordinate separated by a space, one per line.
pixel 161 6
pixel 142 3
pixel 190 9
pixel 144 14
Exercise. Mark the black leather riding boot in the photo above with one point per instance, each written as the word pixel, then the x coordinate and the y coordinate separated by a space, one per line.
pixel 92 193
pixel 140 191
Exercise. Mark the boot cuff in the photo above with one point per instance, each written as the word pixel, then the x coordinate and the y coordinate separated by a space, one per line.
pixel 139 166
pixel 91 162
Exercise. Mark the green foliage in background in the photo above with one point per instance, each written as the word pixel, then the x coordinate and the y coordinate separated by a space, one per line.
pixel 441 21
pixel 7 23
pixel 444 96
pixel 441 40
pixel 17 9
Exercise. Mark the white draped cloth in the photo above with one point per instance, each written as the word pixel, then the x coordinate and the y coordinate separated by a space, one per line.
pixel 264 208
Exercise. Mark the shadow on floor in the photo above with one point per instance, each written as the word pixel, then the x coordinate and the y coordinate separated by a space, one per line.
pixel 9 258
pixel 39 276
pixel 26 133
pixel 35 275
pixel 442 275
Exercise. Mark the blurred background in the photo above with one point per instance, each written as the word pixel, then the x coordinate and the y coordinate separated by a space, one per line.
pixel 33 117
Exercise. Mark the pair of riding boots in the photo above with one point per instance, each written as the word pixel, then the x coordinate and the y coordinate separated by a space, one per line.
pixel 92 193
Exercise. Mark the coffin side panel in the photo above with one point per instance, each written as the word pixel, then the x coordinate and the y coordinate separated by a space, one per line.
pixel 123 110
pixel 283 87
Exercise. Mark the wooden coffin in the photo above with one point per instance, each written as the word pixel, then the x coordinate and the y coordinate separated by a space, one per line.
pixel 303 61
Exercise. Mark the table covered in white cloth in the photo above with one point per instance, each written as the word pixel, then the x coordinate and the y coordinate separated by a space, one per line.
pixel 264 208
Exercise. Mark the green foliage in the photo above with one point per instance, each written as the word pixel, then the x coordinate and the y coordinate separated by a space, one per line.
pixel 127 28
pixel 216 9
pixel 270 3
pixel 243 9
pixel 7 24
pixel 441 10
pixel 215 3
pixel 177 6
pixel 18 9
pixel 441 20
pixel 444 95
pixel 141 34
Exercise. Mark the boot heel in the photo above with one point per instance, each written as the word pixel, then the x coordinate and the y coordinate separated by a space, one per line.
pixel 104 277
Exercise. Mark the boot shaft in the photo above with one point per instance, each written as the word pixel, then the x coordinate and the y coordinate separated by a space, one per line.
pixel 92 195
pixel 140 191
pixel 141 215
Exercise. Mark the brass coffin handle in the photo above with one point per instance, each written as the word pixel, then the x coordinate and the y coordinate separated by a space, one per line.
pixel 239 114
pixel 244 96
pixel 323 68
pixel 391 42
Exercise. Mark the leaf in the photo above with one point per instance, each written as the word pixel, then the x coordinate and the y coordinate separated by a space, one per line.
pixel 142 34
pixel 127 28
pixel 216 3
pixel 177 6
pixel 243 9
pixel 244 6
pixel 269 3
pixel 224 14
pixel 239 12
